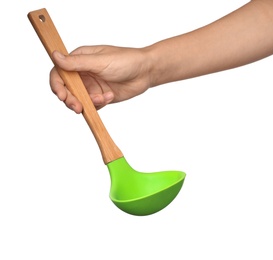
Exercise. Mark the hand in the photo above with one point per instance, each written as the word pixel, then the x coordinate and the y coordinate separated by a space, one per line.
pixel 110 74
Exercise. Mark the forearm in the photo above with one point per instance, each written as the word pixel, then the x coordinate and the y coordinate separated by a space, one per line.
pixel 242 37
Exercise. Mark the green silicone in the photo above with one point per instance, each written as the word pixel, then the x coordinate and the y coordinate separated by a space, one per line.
pixel 139 193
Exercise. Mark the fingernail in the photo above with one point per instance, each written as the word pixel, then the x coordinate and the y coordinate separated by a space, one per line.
pixel 60 55
pixel 108 96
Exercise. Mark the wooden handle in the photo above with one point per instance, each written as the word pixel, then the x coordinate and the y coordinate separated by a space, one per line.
pixel 52 41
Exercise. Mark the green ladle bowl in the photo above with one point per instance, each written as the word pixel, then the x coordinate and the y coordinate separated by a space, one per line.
pixel 133 192
pixel 139 193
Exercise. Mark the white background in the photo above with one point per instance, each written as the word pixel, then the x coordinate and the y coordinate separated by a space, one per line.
pixel 218 128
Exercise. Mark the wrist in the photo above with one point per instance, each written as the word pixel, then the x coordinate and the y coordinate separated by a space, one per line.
pixel 165 61
pixel 154 65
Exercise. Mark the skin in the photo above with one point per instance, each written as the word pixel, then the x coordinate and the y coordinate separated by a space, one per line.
pixel 113 74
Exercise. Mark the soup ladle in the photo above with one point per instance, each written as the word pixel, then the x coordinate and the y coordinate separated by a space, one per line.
pixel 136 193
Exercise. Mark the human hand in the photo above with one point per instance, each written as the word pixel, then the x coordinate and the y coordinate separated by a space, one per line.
pixel 110 74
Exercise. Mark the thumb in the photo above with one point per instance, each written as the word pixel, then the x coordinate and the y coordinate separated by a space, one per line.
pixel 60 59
pixel 79 62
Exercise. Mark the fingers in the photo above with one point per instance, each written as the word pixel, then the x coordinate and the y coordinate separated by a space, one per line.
pixel 101 100
pixel 72 103
pixel 81 61
pixel 57 85
pixel 59 89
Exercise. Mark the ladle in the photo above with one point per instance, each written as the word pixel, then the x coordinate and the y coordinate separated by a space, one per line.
pixel 133 192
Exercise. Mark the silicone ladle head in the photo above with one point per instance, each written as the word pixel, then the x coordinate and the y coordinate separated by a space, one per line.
pixel 139 193
pixel 133 192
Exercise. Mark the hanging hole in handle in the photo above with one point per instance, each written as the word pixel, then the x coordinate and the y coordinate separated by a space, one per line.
pixel 42 18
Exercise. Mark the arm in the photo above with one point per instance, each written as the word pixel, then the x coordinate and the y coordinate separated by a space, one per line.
pixel 113 74
pixel 242 37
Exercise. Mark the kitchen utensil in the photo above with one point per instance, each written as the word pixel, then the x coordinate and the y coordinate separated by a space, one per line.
pixel 134 192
